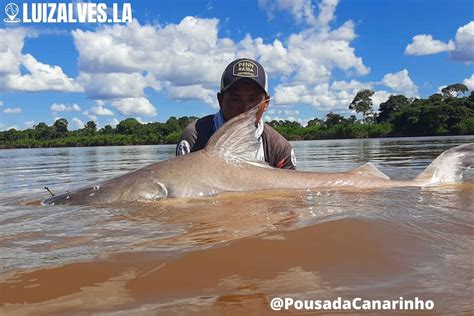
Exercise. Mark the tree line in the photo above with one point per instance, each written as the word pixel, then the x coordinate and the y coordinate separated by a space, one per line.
pixel 128 132
pixel 450 112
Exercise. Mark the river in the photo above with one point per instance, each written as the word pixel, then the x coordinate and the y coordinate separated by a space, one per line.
pixel 233 253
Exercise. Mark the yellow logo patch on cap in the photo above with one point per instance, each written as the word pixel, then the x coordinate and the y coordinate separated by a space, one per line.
pixel 245 68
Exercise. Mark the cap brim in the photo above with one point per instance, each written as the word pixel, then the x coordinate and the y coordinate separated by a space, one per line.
pixel 245 79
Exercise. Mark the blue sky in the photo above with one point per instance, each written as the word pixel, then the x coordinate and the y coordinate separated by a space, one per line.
pixel 168 60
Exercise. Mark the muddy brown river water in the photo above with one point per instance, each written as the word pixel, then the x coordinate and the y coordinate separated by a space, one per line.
pixel 234 253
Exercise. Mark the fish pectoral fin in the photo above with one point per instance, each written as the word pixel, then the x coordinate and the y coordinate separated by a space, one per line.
pixel 150 192
pixel 370 170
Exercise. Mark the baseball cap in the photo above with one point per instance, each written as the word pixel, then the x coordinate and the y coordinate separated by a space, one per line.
pixel 244 68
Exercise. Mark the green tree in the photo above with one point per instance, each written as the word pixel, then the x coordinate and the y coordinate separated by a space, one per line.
pixel 333 119
pixel 454 90
pixel 11 135
pixel 352 119
pixel 172 125
pixel 436 98
pixel 315 122
pixel 362 103
pixel 61 126
pixel 471 96
pixel 392 105
pixel 107 129
pixel 90 128
pixel 43 131
pixel 128 126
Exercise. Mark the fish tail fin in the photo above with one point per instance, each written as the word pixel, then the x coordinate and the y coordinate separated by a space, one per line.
pixel 449 167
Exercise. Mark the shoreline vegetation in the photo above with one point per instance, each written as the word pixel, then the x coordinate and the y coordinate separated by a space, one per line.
pixel 448 113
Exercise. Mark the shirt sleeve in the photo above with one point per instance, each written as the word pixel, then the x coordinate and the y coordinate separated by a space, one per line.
pixel 187 140
pixel 286 158
pixel 278 151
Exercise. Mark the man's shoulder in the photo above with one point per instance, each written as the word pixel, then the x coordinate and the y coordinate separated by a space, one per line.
pixel 202 126
pixel 278 150
pixel 197 133
pixel 206 121
pixel 275 138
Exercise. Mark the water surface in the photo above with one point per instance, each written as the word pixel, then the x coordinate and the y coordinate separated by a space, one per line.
pixel 233 252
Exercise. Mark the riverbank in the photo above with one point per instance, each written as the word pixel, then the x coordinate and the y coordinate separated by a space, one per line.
pixel 340 131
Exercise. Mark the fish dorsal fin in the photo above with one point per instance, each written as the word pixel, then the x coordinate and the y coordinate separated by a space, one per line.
pixel 369 169
pixel 235 141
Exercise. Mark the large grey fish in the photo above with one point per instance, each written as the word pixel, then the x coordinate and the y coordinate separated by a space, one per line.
pixel 226 164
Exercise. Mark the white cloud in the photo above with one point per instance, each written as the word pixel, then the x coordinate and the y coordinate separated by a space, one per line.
pixel 11 46
pixel 326 11
pixel 134 106
pixel 4 127
pixel 313 55
pixel 1 103
pixel 39 77
pixel 469 83
pixel 301 10
pixel 29 124
pixel 121 61
pixel 352 85
pixel 441 88
pixel 100 102
pixel 76 124
pixel 400 82
pixel 114 122
pixel 461 49
pixel 378 97
pixel 324 97
pixel 464 43
pixel 59 107
pixel 290 94
pixel 287 112
pixel 268 118
pixel 425 45
pixel 91 117
pixel 113 85
pixel 193 92
pixel 186 59
pixel 12 110
pixel 99 110
pixel 320 96
pixel 180 53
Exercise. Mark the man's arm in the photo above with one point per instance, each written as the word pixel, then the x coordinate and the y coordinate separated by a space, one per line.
pixel 187 140
pixel 278 151
pixel 286 159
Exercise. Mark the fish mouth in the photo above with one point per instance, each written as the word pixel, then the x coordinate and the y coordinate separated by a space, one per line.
pixel 56 199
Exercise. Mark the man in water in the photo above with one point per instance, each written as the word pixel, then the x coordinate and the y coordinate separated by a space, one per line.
pixel 243 86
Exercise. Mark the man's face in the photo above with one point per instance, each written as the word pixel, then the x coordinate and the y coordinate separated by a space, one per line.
pixel 241 97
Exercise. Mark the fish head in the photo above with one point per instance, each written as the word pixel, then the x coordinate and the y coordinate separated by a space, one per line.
pixel 109 192
pixel 141 186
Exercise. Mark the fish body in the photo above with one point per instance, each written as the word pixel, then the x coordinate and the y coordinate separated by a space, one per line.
pixel 226 164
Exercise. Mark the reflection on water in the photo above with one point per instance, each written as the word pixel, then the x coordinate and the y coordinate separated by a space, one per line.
pixel 230 253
